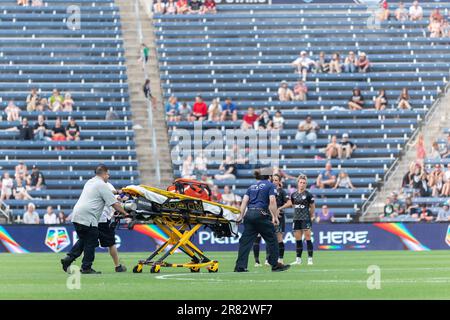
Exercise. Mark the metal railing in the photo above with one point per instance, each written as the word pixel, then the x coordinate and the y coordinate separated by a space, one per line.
pixel 5 211
pixel 149 102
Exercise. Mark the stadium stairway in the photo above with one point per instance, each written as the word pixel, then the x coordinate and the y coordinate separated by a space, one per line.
pixel 139 104
pixel 433 126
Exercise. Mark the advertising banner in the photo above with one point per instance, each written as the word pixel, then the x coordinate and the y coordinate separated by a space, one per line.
pixel 366 2
pixel 376 236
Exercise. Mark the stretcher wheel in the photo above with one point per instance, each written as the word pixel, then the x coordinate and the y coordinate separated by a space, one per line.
pixel 155 269
pixel 195 269
pixel 137 268
pixel 213 268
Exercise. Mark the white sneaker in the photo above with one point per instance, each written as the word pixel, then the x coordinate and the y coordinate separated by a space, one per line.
pixel 280 261
pixel 257 265
pixel 297 261
pixel 310 262
pixel 266 263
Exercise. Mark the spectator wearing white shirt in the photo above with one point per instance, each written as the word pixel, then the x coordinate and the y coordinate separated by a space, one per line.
pixel 303 64
pixel 284 93
pixel 31 216
pixel 415 12
pixel 228 196
pixel 7 187
pixel 444 213
pixel 50 216
pixel 278 121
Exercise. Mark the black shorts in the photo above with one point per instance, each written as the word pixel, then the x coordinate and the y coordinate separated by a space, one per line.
pixel 302 225
pixel 106 234
pixel 281 228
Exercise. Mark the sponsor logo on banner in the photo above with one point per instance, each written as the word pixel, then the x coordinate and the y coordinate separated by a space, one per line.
pixel 242 1
pixel 335 240
pixel 57 238
pixel 206 237
pixel 447 238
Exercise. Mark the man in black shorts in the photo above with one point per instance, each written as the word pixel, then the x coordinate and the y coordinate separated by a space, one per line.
pixel 107 234
pixel 303 202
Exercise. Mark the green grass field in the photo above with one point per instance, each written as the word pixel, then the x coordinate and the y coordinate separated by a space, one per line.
pixel 335 275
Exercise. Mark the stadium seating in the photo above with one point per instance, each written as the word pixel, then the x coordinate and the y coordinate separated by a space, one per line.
pixel 244 52
pixel 41 48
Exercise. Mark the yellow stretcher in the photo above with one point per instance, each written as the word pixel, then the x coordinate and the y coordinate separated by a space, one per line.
pixel 179 217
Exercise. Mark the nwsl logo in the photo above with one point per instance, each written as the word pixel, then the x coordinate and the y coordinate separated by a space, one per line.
pixel 57 238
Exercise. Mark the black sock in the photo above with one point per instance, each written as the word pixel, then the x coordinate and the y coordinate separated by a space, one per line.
pixel 281 249
pixel 309 245
pixel 299 248
pixel 256 249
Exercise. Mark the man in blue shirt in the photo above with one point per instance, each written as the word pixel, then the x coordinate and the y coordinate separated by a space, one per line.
pixel 228 110
pixel 259 206
pixel 327 178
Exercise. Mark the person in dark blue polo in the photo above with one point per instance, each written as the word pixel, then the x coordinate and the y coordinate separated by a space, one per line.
pixel 259 207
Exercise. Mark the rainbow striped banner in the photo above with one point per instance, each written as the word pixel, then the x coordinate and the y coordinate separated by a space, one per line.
pixel 404 234
pixel 9 243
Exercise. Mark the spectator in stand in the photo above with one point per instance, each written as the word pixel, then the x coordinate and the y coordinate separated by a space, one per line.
pixel 73 130
pixel 228 169
pixel 171 7
pixel 32 100
pixel 388 210
pixel 446 187
pixel 335 64
pixel 325 215
pixel 415 12
pixel 199 110
pixel 31 216
pixel 346 147
pixel 228 110
pixel 323 63
pixel 159 7
pixel 435 28
pixel 264 121
pixel 446 152
pixel 182 6
pixel 21 171
pixel 350 63
pixel 401 14
pixel 407 178
pixel 20 192
pixel 58 133
pixel 22 2
pixel 363 63
pixel 43 105
pixel 327 178
pixel 172 109
pixel 425 214
pixel 7 186
pixel 436 15
pixel 25 131
pixel 344 181
pixel 332 149
pixel 50 216
pixel 436 180
pixel 68 103
pixel 214 110
pixel 435 153
pixel 56 101
pixel 444 213
pixel 36 179
pixel 195 7
pixel 307 131
pixel 445 29
pixel 228 197
pixel 384 12
pixel 304 64
pixel 41 131
pixel 278 120
pixel 200 165
pixel 184 112
pixel 148 93
pixel 145 53
pixel 300 91
pixel 356 101
pixel 419 144
pixel 187 171
pixel 209 6
pixel 249 119
pixel 61 219
pixel 381 101
pixel 12 111
pixel 410 208
pixel 424 190
pixel 216 196
pixel 403 100
pixel 284 93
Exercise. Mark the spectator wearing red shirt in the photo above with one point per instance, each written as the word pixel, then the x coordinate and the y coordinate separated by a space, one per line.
pixel 249 119
pixel 199 110
pixel 182 6
pixel 209 6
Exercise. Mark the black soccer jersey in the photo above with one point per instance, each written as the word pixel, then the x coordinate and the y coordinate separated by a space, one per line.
pixel 301 203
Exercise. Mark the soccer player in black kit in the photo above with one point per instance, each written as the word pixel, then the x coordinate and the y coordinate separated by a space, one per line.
pixel 304 212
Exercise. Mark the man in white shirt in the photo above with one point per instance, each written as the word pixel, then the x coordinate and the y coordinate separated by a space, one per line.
pixel 303 64
pixel 31 216
pixel 107 233
pixel 444 213
pixel 415 11
pixel 50 216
